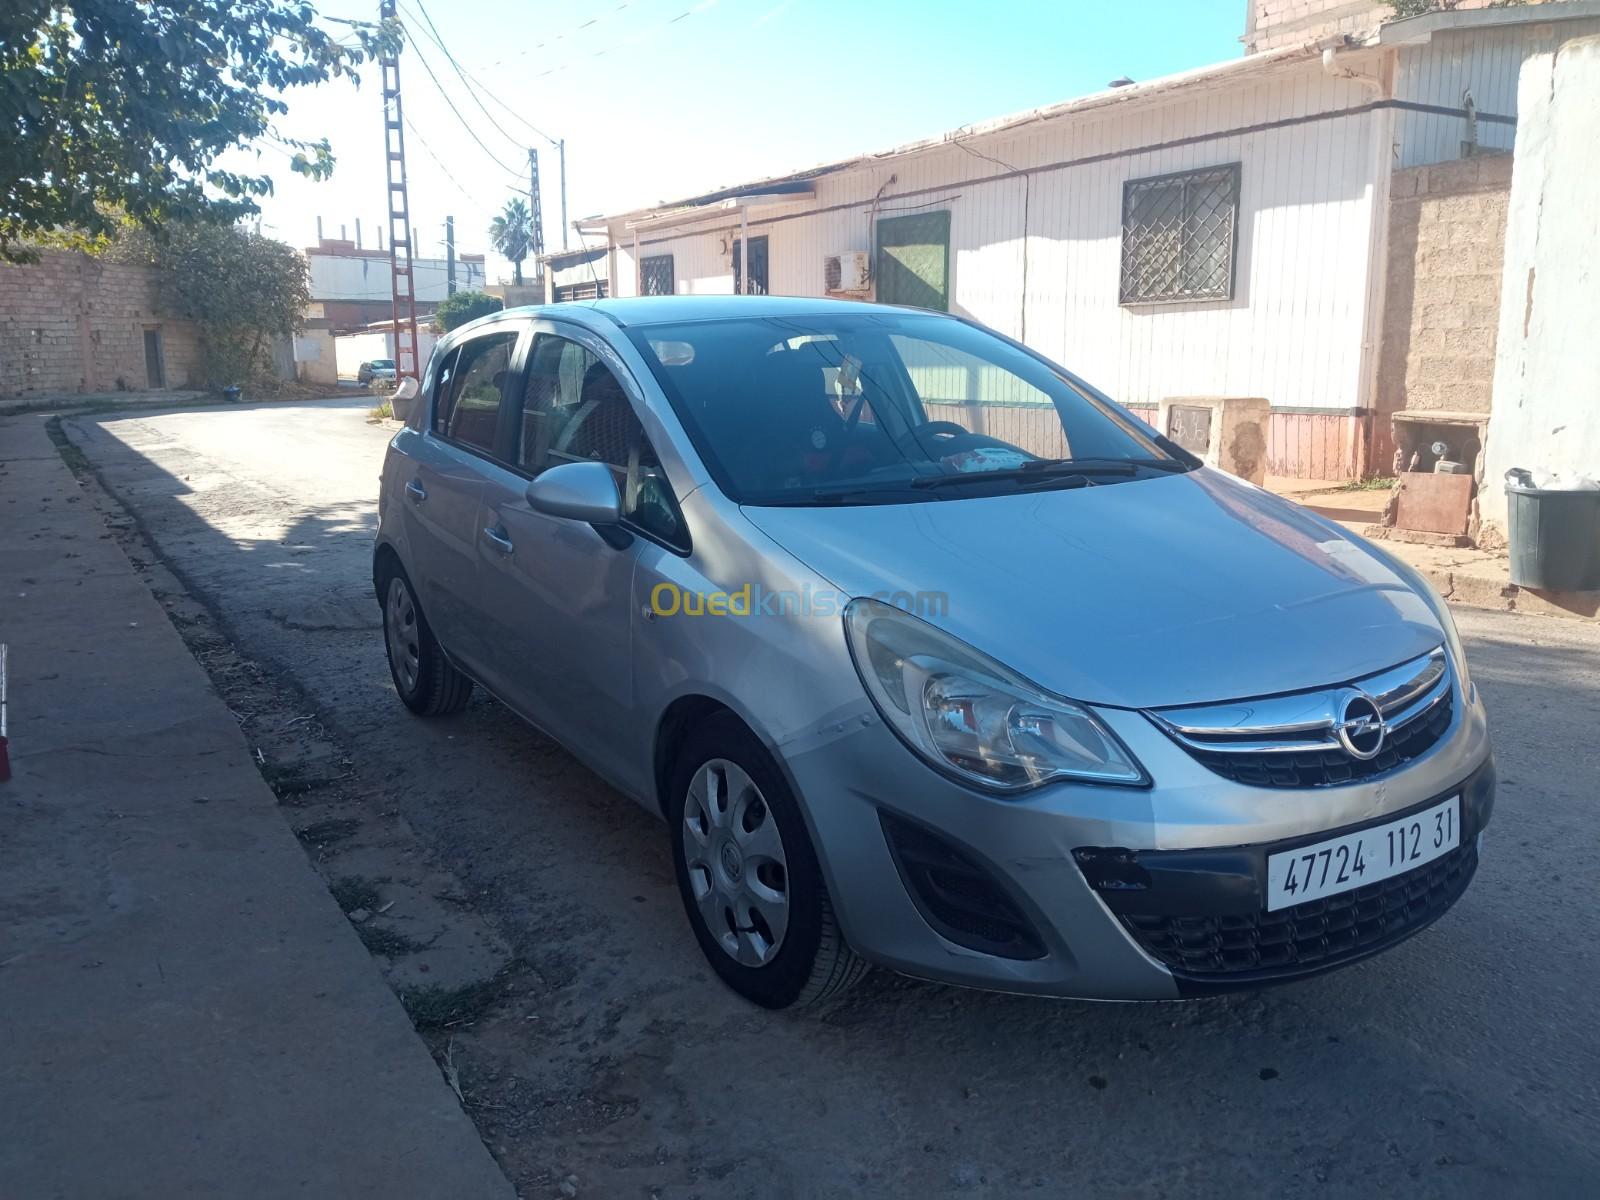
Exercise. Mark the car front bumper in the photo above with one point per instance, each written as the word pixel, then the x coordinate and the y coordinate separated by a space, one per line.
pixel 939 881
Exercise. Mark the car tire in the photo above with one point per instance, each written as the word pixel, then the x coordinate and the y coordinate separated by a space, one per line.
pixel 728 903
pixel 427 683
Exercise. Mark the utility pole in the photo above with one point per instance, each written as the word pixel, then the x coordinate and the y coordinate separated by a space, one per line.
pixel 449 256
pixel 535 205
pixel 561 148
pixel 402 284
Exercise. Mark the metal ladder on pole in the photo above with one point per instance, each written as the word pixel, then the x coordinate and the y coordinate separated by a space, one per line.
pixel 535 208
pixel 402 282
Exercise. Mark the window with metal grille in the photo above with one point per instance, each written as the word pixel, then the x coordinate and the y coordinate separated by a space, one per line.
pixel 656 277
pixel 593 290
pixel 913 263
pixel 1178 236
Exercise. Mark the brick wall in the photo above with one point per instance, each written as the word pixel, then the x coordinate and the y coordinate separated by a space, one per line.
pixel 1270 24
pixel 71 323
pixel 1447 232
pixel 1275 23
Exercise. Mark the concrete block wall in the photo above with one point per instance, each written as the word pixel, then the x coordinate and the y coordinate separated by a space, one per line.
pixel 1270 24
pixel 1447 230
pixel 1275 23
pixel 71 323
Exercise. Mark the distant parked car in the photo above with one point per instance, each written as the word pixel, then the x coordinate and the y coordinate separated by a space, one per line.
pixel 929 654
pixel 378 368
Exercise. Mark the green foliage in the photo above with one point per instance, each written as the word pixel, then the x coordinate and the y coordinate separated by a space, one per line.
pixel 463 307
pixel 1416 8
pixel 239 287
pixel 511 234
pixel 109 106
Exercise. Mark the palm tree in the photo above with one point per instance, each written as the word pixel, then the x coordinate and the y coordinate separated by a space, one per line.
pixel 511 234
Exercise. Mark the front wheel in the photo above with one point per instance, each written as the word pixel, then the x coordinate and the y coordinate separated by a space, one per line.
pixel 748 874
pixel 427 682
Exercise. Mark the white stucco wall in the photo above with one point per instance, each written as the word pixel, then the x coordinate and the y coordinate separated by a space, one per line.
pixel 1546 408
pixel 356 276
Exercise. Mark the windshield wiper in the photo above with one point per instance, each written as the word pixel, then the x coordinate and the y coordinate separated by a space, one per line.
pixel 861 495
pixel 1116 466
pixel 1052 469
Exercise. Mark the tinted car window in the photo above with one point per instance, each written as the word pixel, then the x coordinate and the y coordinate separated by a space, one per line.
pixel 798 410
pixel 441 390
pixel 473 387
pixel 574 409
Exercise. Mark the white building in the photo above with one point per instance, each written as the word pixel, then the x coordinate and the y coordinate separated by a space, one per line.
pixel 1220 232
pixel 350 286
pixel 351 290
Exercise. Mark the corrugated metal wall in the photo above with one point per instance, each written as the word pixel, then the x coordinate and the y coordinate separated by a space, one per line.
pixel 1487 62
pixel 1292 332
pixel 1295 328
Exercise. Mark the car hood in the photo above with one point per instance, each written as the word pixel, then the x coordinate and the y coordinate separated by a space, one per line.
pixel 1181 589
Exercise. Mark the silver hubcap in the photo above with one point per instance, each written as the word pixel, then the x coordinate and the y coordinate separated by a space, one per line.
pixel 400 631
pixel 737 868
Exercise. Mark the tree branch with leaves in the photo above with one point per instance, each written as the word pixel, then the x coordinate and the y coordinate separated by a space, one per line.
pixel 111 107
pixel 241 289
pixel 511 235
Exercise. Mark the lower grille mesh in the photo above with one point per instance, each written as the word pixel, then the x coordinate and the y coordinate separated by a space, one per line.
pixel 1307 936
pixel 956 896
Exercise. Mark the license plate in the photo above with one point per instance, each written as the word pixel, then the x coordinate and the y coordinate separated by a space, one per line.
pixel 1357 859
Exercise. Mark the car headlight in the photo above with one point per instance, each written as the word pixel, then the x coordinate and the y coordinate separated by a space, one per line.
pixel 971 717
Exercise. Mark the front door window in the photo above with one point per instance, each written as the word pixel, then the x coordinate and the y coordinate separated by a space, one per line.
pixel 575 410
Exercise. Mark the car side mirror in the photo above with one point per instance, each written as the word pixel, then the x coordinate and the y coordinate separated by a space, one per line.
pixel 578 491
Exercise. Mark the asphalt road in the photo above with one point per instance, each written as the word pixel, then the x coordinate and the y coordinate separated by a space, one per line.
pixel 1464 1063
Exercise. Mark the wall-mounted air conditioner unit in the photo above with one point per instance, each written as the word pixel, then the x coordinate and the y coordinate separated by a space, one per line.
pixel 847 274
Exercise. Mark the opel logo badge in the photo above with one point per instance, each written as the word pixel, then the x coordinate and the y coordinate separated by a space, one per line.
pixel 1361 729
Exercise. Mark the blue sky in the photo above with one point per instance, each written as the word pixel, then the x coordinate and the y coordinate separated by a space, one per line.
pixel 662 98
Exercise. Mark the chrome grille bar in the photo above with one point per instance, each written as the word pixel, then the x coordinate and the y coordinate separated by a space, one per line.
pixel 1306 721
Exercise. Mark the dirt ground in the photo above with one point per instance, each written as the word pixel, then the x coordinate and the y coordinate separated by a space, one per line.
pixel 528 917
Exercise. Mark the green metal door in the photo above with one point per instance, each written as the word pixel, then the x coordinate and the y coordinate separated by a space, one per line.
pixel 913 260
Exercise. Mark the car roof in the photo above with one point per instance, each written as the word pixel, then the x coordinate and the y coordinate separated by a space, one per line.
pixel 657 310
pixel 641 311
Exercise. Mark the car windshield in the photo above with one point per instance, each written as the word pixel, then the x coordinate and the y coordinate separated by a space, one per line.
pixel 383 362
pixel 863 408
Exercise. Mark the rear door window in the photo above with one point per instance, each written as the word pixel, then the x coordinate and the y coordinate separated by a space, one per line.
pixel 470 390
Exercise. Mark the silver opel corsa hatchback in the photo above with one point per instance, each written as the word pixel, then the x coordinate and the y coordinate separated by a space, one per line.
pixel 929 654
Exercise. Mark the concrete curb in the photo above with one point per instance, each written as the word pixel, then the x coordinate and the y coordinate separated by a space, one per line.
pixel 110 402
pixel 1480 591
pixel 186 1009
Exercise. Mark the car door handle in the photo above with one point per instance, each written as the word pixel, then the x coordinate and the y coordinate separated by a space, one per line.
pixel 416 491
pixel 501 542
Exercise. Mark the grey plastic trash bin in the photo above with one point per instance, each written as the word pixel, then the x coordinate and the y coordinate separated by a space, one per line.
pixel 1554 535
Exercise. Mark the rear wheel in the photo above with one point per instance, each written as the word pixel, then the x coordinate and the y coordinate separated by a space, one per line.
pixel 425 679
pixel 748 874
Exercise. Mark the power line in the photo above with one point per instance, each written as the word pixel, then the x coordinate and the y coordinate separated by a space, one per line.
pixel 444 170
pixel 474 87
pixel 641 36
pixel 561 37
pixel 471 132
